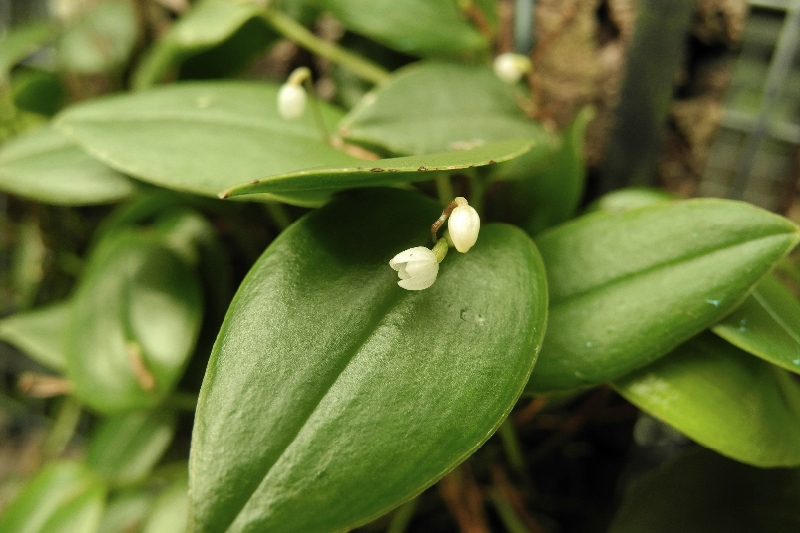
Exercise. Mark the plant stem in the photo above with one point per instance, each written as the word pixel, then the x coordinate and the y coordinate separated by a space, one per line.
pixel 402 517
pixel 182 401
pixel 294 31
pixel 506 511
pixel 444 188
pixel 315 109
pixel 511 445
pixel 278 214
pixel 69 413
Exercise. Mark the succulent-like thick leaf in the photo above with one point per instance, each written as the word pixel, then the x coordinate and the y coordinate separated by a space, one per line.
pixel 100 40
pixel 391 171
pixel 703 492
pixel 134 320
pixel 170 511
pixel 206 24
pixel 767 324
pixel 626 288
pixel 202 137
pixel 418 27
pixel 723 398
pixel 19 42
pixel 63 497
pixel 343 394
pixel 125 448
pixel 435 107
pixel 47 166
pixel 39 334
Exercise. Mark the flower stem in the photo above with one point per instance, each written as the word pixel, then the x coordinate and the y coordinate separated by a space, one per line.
pixel 294 31
pixel 69 414
pixel 402 517
pixel 315 109
pixel 444 188
pixel 440 250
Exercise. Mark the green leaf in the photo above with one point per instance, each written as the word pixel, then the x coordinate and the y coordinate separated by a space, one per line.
pixel 20 42
pixel 170 512
pixel 39 334
pixel 630 198
pixel 724 399
pixel 540 194
pixel 417 27
pixel 38 91
pixel 63 497
pixel 703 492
pixel 45 165
pixel 135 317
pixel 202 137
pixel 101 40
pixel 626 288
pixel 767 325
pixel 434 107
pixel 207 24
pixel 392 171
pixel 373 392
pixel 126 511
pixel 125 448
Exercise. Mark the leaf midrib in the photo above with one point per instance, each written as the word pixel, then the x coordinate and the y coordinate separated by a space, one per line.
pixel 390 299
pixel 673 262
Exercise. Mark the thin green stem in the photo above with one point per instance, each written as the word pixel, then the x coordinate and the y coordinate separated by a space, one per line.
pixel 511 445
pixel 67 418
pixel 294 31
pixel 317 111
pixel 444 188
pixel 506 511
pixel 478 185
pixel 277 212
pixel 402 517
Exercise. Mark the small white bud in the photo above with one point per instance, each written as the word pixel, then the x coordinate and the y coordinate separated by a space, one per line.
pixel 464 225
pixel 416 267
pixel 291 101
pixel 510 67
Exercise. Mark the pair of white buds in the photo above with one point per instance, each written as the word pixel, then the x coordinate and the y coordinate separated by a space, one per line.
pixel 292 96
pixel 418 267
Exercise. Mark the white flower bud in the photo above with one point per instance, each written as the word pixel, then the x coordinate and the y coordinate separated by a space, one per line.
pixel 291 101
pixel 463 225
pixel 510 67
pixel 416 267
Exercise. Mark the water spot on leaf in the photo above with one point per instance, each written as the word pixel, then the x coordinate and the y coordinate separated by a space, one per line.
pixel 715 303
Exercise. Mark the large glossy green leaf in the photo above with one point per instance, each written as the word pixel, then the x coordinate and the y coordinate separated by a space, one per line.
pixel 207 24
pixel 39 334
pixel 202 137
pixel 391 171
pixel 767 324
pixel 418 27
pixel 47 166
pixel 703 492
pixel 100 40
pixel 723 398
pixel 435 107
pixel 125 448
pixel 63 497
pixel 20 42
pixel 343 394
pixel 626 288
pixel 134 320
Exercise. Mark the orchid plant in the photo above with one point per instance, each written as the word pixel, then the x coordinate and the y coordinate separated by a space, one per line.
pixel 239 277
